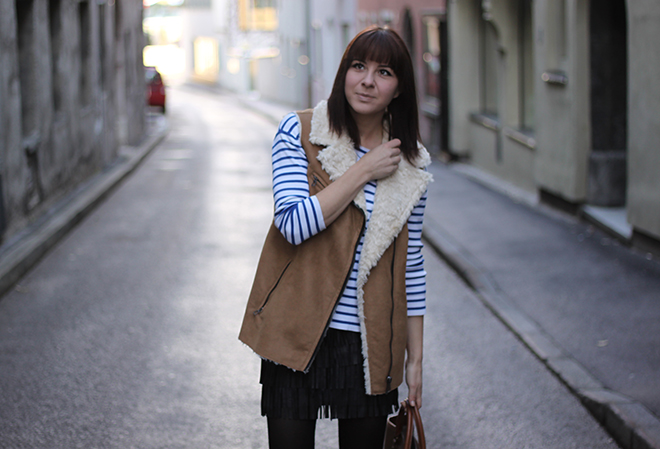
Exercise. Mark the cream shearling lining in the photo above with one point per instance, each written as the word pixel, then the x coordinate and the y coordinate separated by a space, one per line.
pixel 395 198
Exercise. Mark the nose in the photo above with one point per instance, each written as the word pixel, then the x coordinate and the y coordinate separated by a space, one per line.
pixel 368 79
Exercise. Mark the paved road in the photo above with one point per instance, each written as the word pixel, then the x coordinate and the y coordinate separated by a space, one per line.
pixel 124 336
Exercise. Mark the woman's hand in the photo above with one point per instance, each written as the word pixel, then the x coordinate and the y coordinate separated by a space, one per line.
pixel 414 382
pixel 378 163
pixel 382 161
pixel 415 350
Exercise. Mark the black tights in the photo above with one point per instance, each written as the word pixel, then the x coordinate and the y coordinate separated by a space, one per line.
pixel 359 433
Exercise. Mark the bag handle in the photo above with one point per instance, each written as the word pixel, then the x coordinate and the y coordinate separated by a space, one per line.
pixel 414 420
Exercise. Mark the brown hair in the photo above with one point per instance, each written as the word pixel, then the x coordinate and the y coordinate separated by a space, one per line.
pixel 384 46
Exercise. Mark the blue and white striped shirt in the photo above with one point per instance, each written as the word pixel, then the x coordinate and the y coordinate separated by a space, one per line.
pixel 298 216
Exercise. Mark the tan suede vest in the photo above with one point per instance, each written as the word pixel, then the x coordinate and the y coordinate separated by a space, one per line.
pixel 296 289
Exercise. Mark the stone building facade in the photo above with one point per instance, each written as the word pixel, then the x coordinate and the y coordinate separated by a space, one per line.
pixel 72 89
pixel 560 97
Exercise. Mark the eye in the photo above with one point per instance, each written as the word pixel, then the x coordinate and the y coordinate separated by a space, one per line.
pixel 386 72
pixel 357 65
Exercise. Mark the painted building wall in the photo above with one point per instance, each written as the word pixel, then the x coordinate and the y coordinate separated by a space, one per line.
pixel 284 75
pixel 241 45
pixel 644 118
pixel 62 114
pixel 556 155
pixel 464 94
pixel 563 127
pixel 333 25
pixel 486 102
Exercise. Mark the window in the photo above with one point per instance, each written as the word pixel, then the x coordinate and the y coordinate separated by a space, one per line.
pixel 489 70
pixel 561 28
pixel 205 58
pixel 431 57
pixel 408 32
pixel 526 66
pixel 345 34
pixel 317 57
pixel 257 15
pixel 28 75
pixel 84 52
pixel 26 65
pixel 55 27
pixel 556 33
pixel 118 19
pixel 102 49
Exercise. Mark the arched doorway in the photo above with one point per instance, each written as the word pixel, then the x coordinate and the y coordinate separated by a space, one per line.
pixel 609 103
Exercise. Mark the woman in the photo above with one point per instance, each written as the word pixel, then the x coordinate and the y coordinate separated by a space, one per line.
pixel 336 309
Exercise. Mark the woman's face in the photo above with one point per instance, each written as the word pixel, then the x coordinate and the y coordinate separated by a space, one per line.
pixel 370 87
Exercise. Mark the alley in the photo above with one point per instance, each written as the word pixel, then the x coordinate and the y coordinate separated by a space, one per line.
pixel 125 335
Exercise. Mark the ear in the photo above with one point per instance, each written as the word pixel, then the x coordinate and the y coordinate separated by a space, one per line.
pixel 396 94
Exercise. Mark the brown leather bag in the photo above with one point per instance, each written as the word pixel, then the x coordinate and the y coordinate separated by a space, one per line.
pixel 399 432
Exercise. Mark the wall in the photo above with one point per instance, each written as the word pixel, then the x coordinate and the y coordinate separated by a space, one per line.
pixel 553 154
pixel 556 156
pixel 464 91
pixel 333 25
pixel 14 171
pixel 197 21
pixel 61 114
pixel 492 132
pixel 644 120
pixel 563 125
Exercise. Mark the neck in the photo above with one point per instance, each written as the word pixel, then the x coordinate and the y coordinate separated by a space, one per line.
pixel 370 129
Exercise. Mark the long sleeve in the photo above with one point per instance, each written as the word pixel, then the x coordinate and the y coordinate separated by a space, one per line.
pixel 415 273
pixel 297 215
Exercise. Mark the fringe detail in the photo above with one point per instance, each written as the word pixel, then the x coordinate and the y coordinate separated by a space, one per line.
pixel 333 388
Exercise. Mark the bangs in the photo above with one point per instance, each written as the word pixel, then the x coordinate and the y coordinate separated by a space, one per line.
pixel 378 46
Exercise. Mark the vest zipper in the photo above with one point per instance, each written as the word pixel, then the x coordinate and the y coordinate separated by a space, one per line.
pixel 260 309
pixel 316 180
pixel 388 379
pixel 327 324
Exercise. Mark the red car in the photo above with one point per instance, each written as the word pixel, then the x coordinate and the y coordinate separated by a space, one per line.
pixel 155 88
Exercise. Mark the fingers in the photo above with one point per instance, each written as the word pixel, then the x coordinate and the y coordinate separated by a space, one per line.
pixel 415 396
pixel 394 147
pixel 394 143
pixel 414 382
pixel 384 159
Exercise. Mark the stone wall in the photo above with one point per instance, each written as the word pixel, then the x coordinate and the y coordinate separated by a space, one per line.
pixel 71 91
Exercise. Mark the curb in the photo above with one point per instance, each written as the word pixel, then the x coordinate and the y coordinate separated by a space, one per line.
pixel 36 240
pixel 630 423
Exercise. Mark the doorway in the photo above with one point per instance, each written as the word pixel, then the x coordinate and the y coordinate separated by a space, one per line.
pixel 607 178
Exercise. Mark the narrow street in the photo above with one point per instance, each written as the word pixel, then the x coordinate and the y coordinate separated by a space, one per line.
pixel 125 335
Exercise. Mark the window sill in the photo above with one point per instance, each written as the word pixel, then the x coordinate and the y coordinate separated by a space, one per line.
pixel 523 137
pixel 487 121
pixel 490 121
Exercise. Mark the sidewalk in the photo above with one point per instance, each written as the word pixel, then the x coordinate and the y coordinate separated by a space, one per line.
pixel 588 307
pixel 585 305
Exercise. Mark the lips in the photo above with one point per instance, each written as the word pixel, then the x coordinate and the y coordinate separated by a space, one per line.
pixel 364 97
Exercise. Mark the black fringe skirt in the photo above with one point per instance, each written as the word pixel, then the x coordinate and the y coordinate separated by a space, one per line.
pixel 333 387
